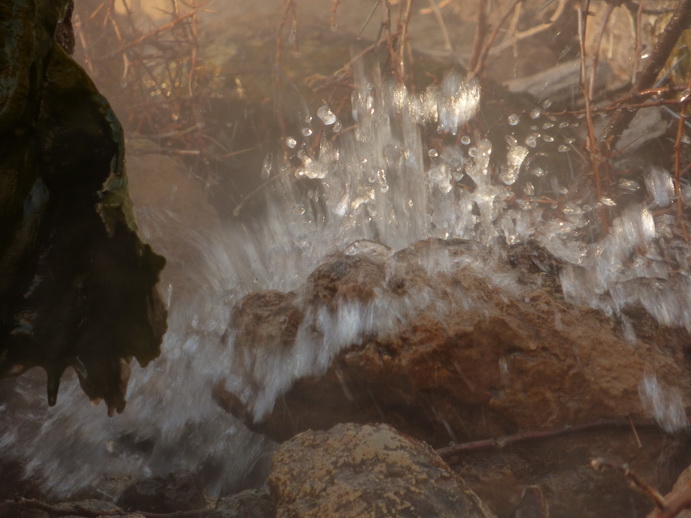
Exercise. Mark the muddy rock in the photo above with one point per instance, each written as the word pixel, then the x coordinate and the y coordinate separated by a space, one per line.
pixel 366 471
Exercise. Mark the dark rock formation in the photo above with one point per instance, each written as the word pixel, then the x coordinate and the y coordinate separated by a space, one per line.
pixel 247 504
pixel 181 491
pixel 367 471
pixel 77 286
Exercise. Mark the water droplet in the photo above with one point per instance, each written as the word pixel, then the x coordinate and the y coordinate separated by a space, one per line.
pixel 538 171
pixel 511 140
pixel 563 148
pixel 514 119
pixel 531 140
pixel 564 124
pixel 338 126
pixel 548 125
pixel 472 152
pixel 266 167
pixel 535 113
pixel 291 142
pixel 548 138
pixel 529 189
pixel 629 185
pixel 410 203
pixel 609 202
pixel 326 115
pixel 433 153
pixel 547 104
pixel 465 140
pixel 685 139
pixel 306 132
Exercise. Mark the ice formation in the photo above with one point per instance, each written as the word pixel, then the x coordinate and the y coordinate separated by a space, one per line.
pixel 378 189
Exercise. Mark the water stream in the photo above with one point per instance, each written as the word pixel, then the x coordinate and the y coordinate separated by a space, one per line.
pixel 377 182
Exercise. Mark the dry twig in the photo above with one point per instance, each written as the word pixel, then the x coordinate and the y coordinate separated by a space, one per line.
pixel 594 153
pixel 646 78
pixel 501 442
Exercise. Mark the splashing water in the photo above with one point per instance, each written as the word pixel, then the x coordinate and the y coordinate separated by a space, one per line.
pixel 378 189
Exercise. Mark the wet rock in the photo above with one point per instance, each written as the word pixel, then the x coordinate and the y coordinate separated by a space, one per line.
pixel 247 504
pixel 366 471
pixel 37 509
pixel 484 350
pixel 179 491
pixel 71 260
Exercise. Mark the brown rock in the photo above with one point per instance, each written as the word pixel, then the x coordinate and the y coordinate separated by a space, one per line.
pixel 483 352
pixel 367 471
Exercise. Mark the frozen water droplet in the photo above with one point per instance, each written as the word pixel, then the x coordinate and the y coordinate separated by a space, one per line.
pixel 563 148
pixel 511 140
pixel 306 132
pixel 338 126
pixel 548 138
pixel 535 113
pixel 465 140
pixel 410 203
pixel 629 185
pixel 266 167
pixel 514 158
pixel 538 171
pixel 564 124
pixel 514 119
pixel 326 115
pixel 529 189
pixel 472 152
pixel 531 140
pixel 609 202
pixel 548 125
pixel 291 142
pixel 433 153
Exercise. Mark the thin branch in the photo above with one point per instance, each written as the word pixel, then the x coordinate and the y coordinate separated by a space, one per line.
pixel 592 146
pixel 440 22
pixel 520 437
pixel 596 51
pixel 675 502
pixel 478 39
pixel 478 68
pixel 646 78
pixel 677 162
pixel 601 464
pixel 509 42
